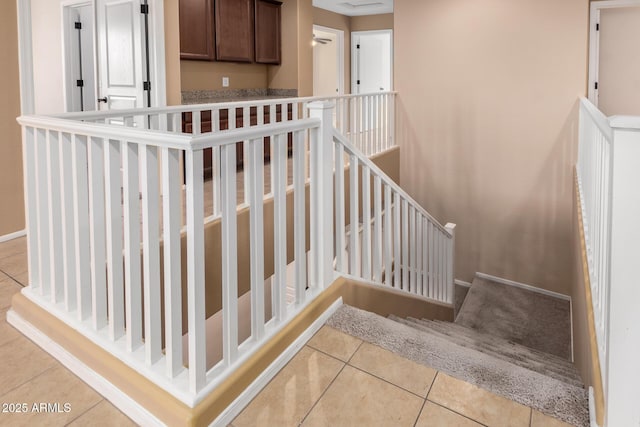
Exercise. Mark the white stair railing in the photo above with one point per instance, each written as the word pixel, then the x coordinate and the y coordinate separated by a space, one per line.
pixel 608 172
pixel 109 220
pixel 392 240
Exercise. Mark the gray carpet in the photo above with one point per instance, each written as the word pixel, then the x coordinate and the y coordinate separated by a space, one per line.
pixel 529 318
pixel 546 394
pixel 459 294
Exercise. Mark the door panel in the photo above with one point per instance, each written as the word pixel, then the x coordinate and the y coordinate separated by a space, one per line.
pixel 619 57
pixel 121 66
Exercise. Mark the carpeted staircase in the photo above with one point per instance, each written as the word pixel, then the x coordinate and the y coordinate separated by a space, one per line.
pixel 514 362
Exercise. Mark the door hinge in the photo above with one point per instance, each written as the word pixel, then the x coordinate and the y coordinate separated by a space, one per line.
pixel 596 85
pixel 598 27
pixel 77 25
pixel 357 46
pixel 144 9
pixel 80 83
pixel 358 82
pixel 146 85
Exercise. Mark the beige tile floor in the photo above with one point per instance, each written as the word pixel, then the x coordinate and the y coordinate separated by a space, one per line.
pixel 335 380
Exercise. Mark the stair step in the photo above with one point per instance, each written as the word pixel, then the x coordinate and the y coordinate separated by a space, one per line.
pixel 503 351
pixel 557 398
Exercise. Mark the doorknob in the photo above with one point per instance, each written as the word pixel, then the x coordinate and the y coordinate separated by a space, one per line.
pixel 105 99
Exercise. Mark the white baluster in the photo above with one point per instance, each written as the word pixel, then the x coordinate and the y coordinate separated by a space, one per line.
pixel 299 215
pixel 377 230
pixel 55 218
pixel 255 176
pixel 113 209
pixel 451 244
pixel 132 269
pixel 151 250
pixel 388 236
pixel 354 220
pixel 97 233
pixel 44 262
pixel 195 270
pixel 68 215
pixel 229 255
pixel 397 239
pixel 171 223
pixel 30 148
pixel 366 220
pixel 340 209
pixel 418 249
pixel 279 174
pixel 405 245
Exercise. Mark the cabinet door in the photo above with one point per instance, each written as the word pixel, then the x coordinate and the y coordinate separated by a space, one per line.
pixel 267 31
pixel 196 30
pixel 234 30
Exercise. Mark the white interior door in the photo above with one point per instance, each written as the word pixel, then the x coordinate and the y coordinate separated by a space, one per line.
pixel 328 61
pixel 372 59
pixel 121 70
pixel 619 61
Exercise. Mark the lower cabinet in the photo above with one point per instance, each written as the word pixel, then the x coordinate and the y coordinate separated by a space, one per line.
pixel 207 126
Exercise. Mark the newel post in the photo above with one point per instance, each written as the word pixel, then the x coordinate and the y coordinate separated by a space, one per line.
pixel 321 163
pixel 451 261
pixel 622 368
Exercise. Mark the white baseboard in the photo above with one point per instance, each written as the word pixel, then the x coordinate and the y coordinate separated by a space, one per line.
pixel 12 236
pixel 462 283
pixel 120 400
pixel 522 286
pixel 263 379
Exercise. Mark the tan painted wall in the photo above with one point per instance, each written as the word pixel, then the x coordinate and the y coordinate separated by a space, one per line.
pixel 172 51
pixel 372 22
pixel 338 22
pixel 486 124
pixel 285 75
pixel 11 193
pixel 207 75
pixel 619 55
pixel 305 49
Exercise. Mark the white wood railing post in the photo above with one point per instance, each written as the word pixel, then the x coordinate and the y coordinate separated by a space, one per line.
pixel 451 264
pixel 623 370
pixel 322 195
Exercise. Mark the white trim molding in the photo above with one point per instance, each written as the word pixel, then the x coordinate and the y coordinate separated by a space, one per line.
pixel 12 236
pixel 113 394
pixel 263 379
pixel 522 286
pixel 462 283
pixel 25 57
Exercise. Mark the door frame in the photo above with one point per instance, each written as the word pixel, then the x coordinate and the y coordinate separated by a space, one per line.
pixel 594 41
pixel 156 50
pixel 68 63
pixel 354 62
pixel 340 44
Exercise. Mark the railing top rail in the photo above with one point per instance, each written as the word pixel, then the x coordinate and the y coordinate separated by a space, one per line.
pixel 93 115
pixel 232 136
pixel 625 122
pixel 108 131
pixel 598 118
pixel 166 139
pixel 387 180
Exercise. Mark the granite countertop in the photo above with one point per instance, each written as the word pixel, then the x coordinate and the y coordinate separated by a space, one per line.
pixel 234 95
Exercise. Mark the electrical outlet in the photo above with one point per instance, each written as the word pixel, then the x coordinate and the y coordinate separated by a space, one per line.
pixel 225 82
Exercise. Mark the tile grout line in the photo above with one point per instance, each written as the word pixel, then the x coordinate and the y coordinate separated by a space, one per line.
pixel 87 410
pixel 27 381
pixel 530 417
pixel 457 413
pixel 386 381
pixel 330 384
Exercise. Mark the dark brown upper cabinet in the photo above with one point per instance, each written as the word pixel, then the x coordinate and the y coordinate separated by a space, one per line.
pixel 234 30
pixel 267 36
pixel 196 30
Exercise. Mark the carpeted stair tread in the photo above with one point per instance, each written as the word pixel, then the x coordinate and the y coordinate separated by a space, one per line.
pixel 541 392
pixel 504 351
pixel 493 342
pixel 455 328
pixel 533 319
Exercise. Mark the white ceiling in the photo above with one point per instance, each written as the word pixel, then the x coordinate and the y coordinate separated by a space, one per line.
pixel 356 7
